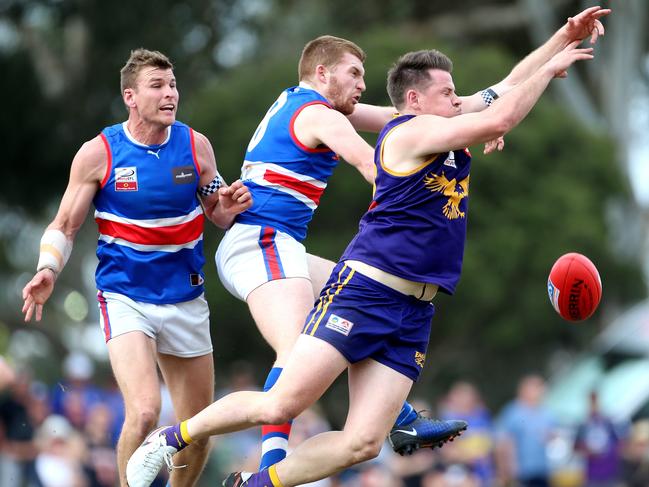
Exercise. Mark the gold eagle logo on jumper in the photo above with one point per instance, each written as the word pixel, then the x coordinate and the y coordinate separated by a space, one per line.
pixel 438 183
pixel 420 358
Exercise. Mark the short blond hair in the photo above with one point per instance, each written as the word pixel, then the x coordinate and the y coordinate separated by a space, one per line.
pixel 141 58
pixel 328 51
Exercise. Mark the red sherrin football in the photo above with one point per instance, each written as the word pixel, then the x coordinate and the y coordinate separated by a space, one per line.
pixel 574 287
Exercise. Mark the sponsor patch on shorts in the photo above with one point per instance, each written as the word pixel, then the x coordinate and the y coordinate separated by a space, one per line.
pixel 341 325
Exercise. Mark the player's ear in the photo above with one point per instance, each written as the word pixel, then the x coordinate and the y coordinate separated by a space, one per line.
pixel 129 98
pixel 322 73
pixel 412 98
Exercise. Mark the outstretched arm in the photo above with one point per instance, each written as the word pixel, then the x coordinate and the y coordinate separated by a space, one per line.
pixel 584 25
pixel 86 173
pixel 319 125
pixel 370 118
pixel 429 134
pixel 221 202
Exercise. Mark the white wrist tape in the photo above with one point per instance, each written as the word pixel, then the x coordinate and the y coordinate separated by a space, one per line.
pixel 55 251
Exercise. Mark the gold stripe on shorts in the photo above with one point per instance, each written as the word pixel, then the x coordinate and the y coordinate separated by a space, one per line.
pixel 330 297
pixel 321 300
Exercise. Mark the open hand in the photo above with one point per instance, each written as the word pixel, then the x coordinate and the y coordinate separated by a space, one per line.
pixel 493 145
pixel 586 24
pixel 561 61
pixel 36 292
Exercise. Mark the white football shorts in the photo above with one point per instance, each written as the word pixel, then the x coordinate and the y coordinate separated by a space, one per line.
pixel 180 329
pixel 251 255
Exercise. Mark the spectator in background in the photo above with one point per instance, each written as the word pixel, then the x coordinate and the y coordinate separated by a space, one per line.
pixel 598 441
pixel 524 429
pixel 61 450
pixel 451 476
pixel 310 423
pixel 17 446
pixel 76 394
pixel 635 457
pixel 474 449
pixel 377 474
pixel 101 459
pixel 7 374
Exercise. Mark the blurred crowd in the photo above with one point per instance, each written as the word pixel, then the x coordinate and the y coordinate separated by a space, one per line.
pixel 65 436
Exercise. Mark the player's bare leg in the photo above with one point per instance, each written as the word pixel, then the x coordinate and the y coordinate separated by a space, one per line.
pixel 309 372
pixel 319 271
pixel 428 432
pixel 191 386
pixel 279 309
pixel 373 409
pixel 133 359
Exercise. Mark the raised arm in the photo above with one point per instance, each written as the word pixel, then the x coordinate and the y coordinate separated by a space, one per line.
pixel 370 118
pixel 317 124
pixel 221 202
pixel 86 173
pixel 584 25
pixel 425 135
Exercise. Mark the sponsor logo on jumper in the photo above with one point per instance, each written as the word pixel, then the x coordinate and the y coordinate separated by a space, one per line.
pixel 154 153
pixel 125 179
pixel 420 358
pixel 450 160
pixel 196 279
pixel 340 325
pixel 184 174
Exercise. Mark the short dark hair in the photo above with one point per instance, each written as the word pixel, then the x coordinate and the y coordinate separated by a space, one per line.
pixel 325 50
pixel 411 71
pixel 141 58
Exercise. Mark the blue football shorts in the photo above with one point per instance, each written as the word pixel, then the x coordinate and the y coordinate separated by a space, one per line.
pixel 363 318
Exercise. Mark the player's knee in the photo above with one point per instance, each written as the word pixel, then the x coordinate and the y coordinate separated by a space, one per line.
pixel 142 419
pixel 364 446
pixel 279 411
pixel 202 445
